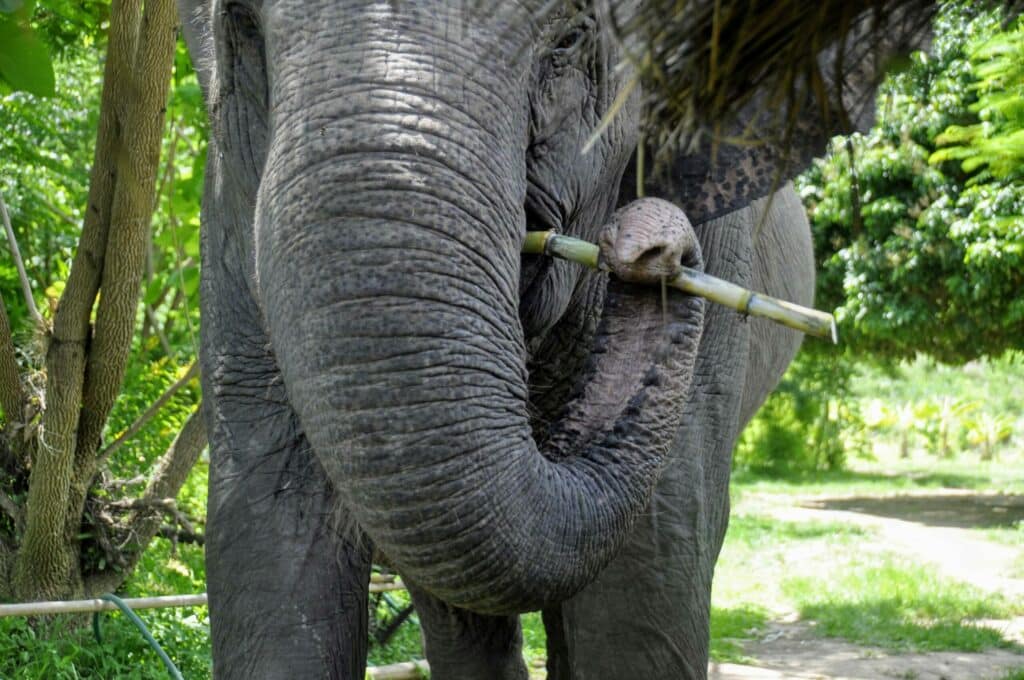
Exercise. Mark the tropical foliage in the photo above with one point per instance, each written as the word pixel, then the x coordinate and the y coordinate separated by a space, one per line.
pixel 918 223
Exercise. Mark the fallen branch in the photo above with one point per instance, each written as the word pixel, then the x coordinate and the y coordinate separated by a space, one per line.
pixel 98 605
pixel 408 670
pixel 810 321
pixel 179 535
pixel 148 414
pixel 26 286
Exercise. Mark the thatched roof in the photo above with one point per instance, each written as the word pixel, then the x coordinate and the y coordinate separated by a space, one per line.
pixel 701 62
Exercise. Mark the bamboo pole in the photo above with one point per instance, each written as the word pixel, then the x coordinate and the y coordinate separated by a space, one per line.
pixel 408 670
pixel 810 321
pixel 161 602
pixel 97 605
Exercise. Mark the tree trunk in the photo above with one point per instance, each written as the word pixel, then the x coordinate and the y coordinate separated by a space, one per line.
pixel 85 366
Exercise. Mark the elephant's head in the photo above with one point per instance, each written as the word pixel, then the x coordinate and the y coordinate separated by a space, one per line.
pixel 394 153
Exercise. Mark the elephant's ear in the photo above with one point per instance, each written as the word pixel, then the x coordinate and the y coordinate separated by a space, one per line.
pixel 198 33
pixel 707 183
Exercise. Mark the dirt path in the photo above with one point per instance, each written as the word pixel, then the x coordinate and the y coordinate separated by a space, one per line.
pixel 798 655
pixel 927 527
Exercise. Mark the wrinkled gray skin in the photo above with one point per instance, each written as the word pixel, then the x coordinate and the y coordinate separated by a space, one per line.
pixel 382 369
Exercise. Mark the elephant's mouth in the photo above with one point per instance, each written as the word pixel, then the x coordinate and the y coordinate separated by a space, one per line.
pixel 545 284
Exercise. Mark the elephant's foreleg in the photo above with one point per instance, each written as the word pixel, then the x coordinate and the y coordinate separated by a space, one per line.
pixel 288 590
pixel 461 645
pixel 647 614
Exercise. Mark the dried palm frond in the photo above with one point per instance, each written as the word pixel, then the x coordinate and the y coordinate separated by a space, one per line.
pixel 703 62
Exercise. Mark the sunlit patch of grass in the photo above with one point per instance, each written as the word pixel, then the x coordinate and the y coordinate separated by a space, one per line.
pixel 896 604
pixel 757 530
pixel 757 550
pixel 730 626
pixel 897 477
pixel 1007 535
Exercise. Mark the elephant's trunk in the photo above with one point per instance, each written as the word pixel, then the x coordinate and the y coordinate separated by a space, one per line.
pixel 389 225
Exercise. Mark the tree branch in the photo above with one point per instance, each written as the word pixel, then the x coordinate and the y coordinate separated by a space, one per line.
pixel 64 217
pixel 130 218
pixel 159 332
pixel 12 395
pixel 26 286
pixel 148 414
pixel 173 467
pixel 168 476
pixel 181 535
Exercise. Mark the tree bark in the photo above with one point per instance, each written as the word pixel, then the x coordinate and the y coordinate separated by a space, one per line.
pixel 131 214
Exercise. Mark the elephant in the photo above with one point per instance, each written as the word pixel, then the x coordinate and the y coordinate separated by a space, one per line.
pixel 384 372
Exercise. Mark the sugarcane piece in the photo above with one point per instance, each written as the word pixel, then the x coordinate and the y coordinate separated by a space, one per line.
pixel 694 282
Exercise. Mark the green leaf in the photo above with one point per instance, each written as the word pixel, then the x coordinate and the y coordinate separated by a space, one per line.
pixel 24 60
pixel 10 6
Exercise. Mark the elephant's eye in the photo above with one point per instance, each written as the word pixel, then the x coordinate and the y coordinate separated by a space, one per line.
pixel 571 40
pixel 574 38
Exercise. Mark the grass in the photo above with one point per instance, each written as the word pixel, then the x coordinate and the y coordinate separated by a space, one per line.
pixel 405 644
pixel 805 570
pixel 887 602
pixel 63 648
pixel 731 626
pixel 892 476
pixel 769 568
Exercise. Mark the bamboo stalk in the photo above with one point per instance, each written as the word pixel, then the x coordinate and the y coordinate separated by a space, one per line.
pixel 810 321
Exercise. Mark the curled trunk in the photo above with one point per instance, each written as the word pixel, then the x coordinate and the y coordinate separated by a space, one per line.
pixel 387 237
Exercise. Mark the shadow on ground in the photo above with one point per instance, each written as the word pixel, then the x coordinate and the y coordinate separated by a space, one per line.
pixel 961 510
pixel 927 480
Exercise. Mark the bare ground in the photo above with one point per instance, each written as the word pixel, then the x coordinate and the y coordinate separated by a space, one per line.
pixel 930 527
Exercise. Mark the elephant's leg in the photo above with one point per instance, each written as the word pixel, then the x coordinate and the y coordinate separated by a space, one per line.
pixel 288 592
pixel 461 645
pixel 558 662
pixel 784 268
pixel 647 614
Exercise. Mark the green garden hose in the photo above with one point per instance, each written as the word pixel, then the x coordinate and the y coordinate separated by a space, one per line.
pixel 134 618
